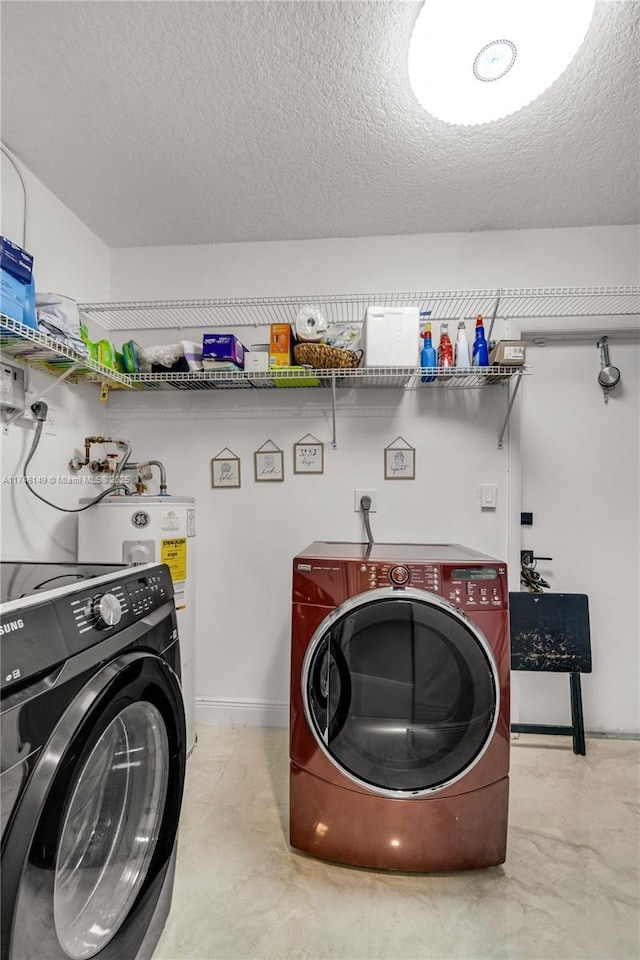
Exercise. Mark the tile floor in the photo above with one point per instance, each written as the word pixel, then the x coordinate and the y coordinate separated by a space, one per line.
pixel 569 888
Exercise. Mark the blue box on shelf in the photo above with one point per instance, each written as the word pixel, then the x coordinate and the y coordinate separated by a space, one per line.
pixel 18 299
pixel 218 348
pixel 15 260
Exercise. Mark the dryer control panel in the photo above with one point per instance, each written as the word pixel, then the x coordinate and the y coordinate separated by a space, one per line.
pixel 470 587
pixel 476 587
pixel 421 575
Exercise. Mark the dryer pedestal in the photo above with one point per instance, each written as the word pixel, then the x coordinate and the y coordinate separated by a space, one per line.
pixel 457 833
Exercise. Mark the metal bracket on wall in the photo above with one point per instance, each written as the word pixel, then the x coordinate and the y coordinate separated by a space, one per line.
pixel 493 318
pixel 334 442
pixel 509 408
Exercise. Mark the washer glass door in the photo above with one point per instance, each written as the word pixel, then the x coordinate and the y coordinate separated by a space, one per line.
pixel 110 830
pixel 401 691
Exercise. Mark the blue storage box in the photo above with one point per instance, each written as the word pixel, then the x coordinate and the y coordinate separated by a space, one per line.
pixel 219 348
pixel 18 300
pixel 15 260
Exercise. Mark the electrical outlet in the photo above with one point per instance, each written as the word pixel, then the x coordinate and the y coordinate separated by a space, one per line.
pixel 365 493
pixel 11 388
pixel 51 423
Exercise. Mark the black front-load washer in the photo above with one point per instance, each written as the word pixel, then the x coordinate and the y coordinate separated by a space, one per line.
pixel 93 759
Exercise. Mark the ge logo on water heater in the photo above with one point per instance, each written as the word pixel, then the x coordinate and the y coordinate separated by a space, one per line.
pixel 140 518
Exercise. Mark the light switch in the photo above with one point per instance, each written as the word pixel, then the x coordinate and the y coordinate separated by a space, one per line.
pixel 488 496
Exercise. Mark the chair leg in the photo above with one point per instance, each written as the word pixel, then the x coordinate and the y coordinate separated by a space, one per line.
pixel 577 719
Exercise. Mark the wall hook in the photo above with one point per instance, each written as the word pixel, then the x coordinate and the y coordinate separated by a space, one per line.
pixel 609 376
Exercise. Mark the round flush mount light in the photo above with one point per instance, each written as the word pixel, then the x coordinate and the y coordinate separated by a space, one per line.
pixel 474 61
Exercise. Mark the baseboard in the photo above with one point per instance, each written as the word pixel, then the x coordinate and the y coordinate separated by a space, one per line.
pixel 244 712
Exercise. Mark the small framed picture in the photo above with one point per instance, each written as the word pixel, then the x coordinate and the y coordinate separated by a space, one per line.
pixel 308 455
pixel 225 470
pixel 399 461
pixel 268 463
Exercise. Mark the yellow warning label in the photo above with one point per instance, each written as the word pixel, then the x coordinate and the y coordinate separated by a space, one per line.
pixel 174 554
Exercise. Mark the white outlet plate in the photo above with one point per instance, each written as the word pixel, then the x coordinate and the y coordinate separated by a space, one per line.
pixel 365 493
pixel 51 423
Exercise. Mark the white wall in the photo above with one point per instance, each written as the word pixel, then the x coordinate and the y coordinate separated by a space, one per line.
pixel 581 481
pixel 68 259
pixel 519 258
pixel 248 537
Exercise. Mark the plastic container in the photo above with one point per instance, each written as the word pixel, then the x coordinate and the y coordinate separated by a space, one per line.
pixel 445 348
pixel 428 357
pixel 480 349
pixel 130 357
pixel 462 356
pixel 107 354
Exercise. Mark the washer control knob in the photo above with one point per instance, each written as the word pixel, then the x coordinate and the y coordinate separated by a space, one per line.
pixel 399 576
pixel 107 611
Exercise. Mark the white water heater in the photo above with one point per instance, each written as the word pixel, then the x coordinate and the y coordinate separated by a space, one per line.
pixel 139 529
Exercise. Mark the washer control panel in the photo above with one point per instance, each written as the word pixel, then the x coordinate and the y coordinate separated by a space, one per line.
pixel 145 594
pixel 97 611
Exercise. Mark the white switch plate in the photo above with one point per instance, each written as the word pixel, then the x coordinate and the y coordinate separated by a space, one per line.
pixel 488 496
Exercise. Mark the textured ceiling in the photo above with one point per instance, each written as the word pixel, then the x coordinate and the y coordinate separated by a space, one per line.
pixel 204 122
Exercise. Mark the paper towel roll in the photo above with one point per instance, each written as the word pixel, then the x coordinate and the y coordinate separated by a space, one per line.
pixel 311 324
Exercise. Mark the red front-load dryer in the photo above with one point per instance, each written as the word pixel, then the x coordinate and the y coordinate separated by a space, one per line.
pixel 399 732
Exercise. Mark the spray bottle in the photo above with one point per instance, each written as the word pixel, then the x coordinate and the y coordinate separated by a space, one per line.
pixel 480 348
pixel 428 356
pixel 462 347
pixel 445 348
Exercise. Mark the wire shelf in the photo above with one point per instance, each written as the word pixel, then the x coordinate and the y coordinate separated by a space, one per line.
pixel 408 378
pixel 46 353
pixel 510 303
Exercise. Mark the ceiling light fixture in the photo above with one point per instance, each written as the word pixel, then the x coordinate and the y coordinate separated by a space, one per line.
pixel 473 61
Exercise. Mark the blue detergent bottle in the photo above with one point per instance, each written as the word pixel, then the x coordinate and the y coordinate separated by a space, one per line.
pixel 480 356
pixel 428 356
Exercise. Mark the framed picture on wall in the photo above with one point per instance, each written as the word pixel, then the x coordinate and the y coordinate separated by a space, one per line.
pixel 399 461
pixel 268 461
pixel 308 455
pixel 225 470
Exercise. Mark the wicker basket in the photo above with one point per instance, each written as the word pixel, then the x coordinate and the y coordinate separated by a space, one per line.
pixel 322 357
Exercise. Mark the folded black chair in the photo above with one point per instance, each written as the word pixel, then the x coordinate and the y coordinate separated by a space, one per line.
pixel 550 632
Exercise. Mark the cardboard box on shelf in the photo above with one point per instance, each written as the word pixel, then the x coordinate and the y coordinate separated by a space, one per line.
pixel 256 360
pixel 508 353
pixel 15 260
pixel 391 336
pixel 280 345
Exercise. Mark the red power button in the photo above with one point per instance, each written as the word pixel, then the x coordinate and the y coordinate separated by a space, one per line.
pixel 399 576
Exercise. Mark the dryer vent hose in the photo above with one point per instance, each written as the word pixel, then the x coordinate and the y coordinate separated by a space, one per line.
pixel 365 503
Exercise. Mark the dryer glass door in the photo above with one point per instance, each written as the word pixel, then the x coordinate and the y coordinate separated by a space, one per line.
pixel 401 692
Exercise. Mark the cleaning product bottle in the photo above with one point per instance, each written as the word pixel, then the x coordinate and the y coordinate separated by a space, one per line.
pixel 428 354
pixel 445 348
pixel 462 347
pixel 480 348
